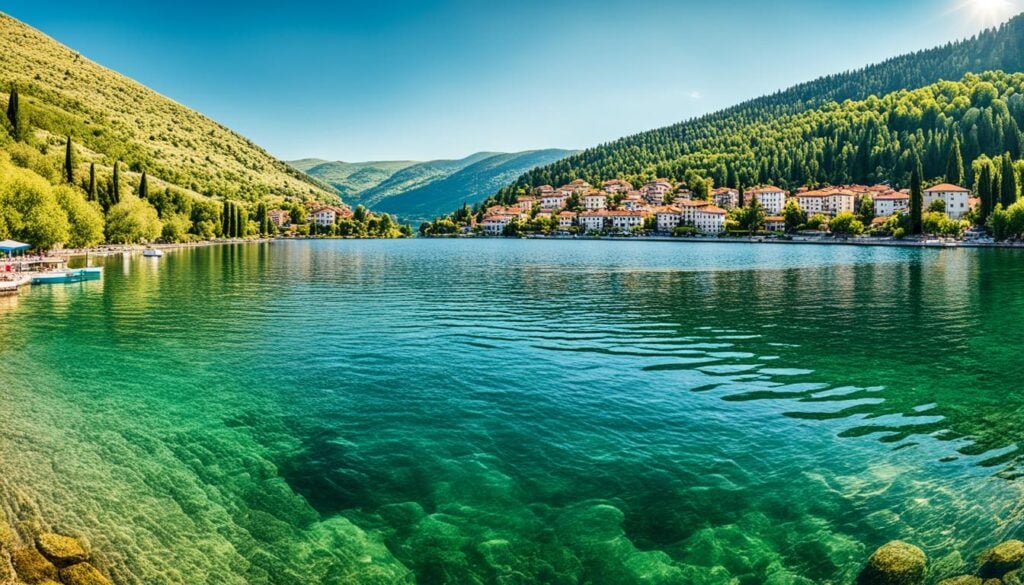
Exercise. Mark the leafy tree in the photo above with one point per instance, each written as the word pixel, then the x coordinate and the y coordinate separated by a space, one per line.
pixel 85 219
pixel 132 221
pixel 176 227
pixel 793 216
pixel 359 214
pixel 867 209
pixel 937 206
pixel 31 211
pixel 846 224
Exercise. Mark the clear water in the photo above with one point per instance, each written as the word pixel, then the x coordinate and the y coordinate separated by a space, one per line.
pixel 518 411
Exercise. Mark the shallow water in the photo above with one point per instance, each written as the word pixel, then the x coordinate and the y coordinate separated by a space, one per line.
pixel 518 411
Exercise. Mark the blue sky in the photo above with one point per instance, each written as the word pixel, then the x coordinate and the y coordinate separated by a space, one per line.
pixel 442 79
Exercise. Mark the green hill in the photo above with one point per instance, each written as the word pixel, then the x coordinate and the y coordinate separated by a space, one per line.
pixel 112 117
pixel 745 144
pixel 415 190
pixel 470 184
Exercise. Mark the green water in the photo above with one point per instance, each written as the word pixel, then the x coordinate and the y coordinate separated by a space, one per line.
pixel 518 411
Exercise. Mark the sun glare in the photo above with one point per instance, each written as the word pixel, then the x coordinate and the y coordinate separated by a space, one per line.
pixel 989 12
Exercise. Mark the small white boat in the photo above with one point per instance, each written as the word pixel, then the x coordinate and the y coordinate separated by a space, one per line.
pixel 152 253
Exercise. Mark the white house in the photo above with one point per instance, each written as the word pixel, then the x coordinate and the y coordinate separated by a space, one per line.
pixel 709 219
pixel 495 224
pixel 626 221
pixel 772 199
pixel 595 200
pixel 957 199
pixel 617 186
pixel 810 202
pixel 326 216
pixel 839 202
pixel 554 200
pixel 566 219
pixel 592 221
pixel 889 203
pixel 279 217
pixel 656 190
pixel 668 218
pixel 726 198
pixel 775 223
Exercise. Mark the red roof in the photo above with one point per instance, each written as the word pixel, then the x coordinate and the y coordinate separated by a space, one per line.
pixel 946 187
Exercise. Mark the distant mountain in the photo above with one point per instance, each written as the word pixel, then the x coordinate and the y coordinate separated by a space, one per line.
pixel 418 190
pixel 470 184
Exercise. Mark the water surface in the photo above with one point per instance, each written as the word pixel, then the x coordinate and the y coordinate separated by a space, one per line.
pixel 518 411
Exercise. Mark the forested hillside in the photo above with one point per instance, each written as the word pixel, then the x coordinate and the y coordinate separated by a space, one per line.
pixel 742 144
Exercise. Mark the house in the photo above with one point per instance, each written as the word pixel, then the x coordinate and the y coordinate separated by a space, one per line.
pixel 688 209
pixel 279 217
pixel 668 218
pixel 772 199
pixel 709 219
pixel 775 223
pixel 494 225
pixel 656 190
pixel 328 216
pixel 633 202
pixel 543 190
pixel 526 203
pixel 577 186
pixel 887 204
pixel 592 221
pixel 726 198
pixel 956 198
pixel 554 200
pixel 810 202
pixel 595 200
pixel 626 220
pixel 616 186
pixel 566 219
pixel 840 201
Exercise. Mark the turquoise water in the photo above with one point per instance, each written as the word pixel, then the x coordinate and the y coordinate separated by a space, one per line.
pixel 518 411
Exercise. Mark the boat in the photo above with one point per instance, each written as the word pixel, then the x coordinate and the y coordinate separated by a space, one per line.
pixel 92 273
pixel 59 277
pixel 152 253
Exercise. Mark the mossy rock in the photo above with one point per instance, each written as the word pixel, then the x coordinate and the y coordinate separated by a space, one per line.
pixel 896 563
pixel 32 567
pixel 962 580
pixel 83 574
pixel 1001 559
pixel 1014 578
pixel 62 551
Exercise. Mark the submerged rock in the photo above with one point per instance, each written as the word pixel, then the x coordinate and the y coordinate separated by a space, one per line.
pixel 1013 578
pixel 962 580
pixel 895 563
pixel 61 550
pixel 32 567
pixel 1002 559
pixel 83 574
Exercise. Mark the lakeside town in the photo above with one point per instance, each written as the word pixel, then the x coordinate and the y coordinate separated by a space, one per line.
pixel 664 208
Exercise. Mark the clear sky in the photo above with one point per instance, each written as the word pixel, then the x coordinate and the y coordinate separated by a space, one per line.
pixel 408 79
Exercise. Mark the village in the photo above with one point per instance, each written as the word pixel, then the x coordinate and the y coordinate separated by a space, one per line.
pixel 661 207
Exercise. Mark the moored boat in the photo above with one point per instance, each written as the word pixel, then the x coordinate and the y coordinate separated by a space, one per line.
pixel 152 253
pixel 59 277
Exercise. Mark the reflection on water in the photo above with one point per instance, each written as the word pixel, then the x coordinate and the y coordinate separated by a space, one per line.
pixel 477 412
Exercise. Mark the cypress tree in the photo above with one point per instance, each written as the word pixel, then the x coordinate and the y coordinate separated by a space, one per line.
pixel 13 112
pixel 1011 137
pixel 143 187
pixel 916 198
pixel 955 164
pixel 115 186
pixel 739 200
pixel 239 222
pixel 92 182
pixel 985 193
pixel 1008 191
pixel 69 164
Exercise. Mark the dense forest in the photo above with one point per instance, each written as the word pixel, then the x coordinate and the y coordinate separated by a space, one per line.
pixel 808 134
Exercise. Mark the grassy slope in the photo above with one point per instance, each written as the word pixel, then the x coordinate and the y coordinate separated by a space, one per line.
pixel 471 184
pixel 115 118
pixel 350 179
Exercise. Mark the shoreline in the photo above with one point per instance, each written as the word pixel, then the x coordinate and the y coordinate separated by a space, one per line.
pixel 869 242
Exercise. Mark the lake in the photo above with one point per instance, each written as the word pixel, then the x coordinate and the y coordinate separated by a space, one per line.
pixel 485 411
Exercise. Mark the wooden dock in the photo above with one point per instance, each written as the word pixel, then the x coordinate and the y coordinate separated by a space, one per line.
pixel 10 287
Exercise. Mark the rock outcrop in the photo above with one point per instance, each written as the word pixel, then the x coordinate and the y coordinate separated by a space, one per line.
pixel 896 563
